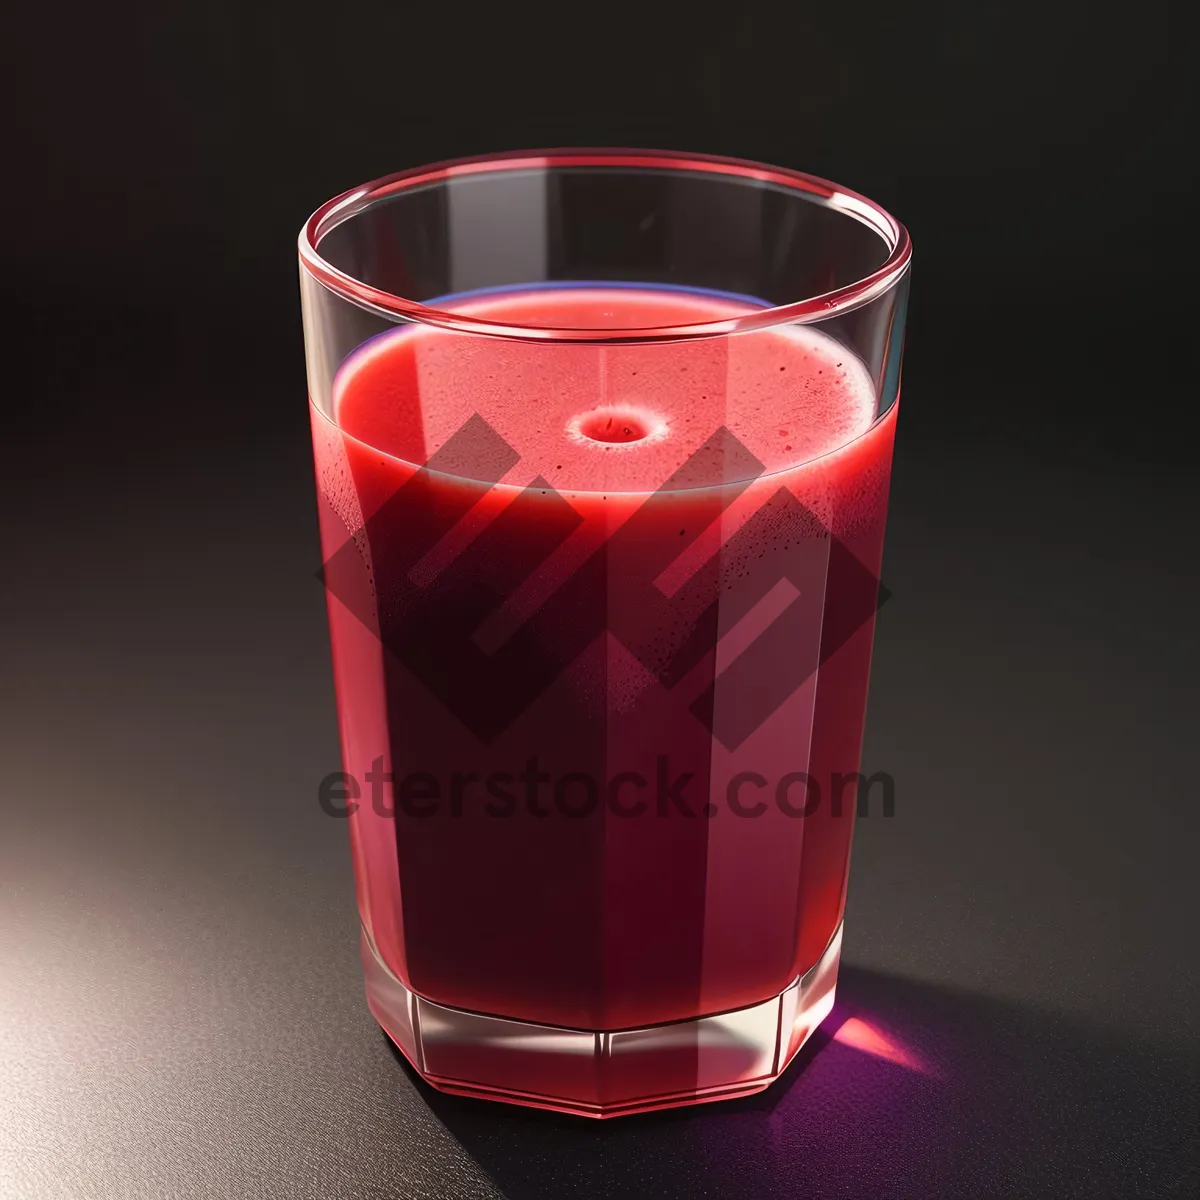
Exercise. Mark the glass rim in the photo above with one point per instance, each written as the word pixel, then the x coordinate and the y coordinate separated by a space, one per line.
pixel 809 309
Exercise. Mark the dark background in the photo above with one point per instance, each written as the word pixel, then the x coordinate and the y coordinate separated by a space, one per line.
pixel 180 1003
pixel 1037 152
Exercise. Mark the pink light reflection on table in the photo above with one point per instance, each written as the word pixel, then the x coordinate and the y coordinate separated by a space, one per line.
pixel 869 1038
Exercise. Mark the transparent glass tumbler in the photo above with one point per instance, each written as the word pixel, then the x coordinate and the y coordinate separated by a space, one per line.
pixel 602 445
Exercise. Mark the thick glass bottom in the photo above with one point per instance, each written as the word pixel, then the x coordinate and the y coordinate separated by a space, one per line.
pixel 602 1074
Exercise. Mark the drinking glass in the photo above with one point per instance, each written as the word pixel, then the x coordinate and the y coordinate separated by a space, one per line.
pixel 602 443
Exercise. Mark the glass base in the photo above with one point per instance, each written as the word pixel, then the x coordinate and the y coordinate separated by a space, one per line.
pixel 602 1074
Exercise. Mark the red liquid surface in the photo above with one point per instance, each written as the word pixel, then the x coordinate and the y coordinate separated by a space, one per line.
pixel 542 909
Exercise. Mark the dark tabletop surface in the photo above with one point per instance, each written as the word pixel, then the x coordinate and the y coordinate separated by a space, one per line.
pixel 181 1009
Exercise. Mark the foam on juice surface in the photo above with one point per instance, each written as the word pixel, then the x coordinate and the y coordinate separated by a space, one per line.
pixel 593 418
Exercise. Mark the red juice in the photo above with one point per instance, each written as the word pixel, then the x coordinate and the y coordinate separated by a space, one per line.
pixel 572 810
